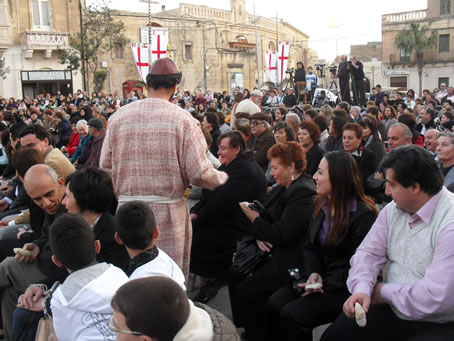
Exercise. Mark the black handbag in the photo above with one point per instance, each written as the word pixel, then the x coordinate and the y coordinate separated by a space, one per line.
pixel 248 256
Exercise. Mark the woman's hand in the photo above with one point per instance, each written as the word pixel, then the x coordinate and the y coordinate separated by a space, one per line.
pixel 250 214
pixel 316 279
pixel 264 246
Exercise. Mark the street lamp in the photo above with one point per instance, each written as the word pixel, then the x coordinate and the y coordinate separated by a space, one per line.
pixel 149 16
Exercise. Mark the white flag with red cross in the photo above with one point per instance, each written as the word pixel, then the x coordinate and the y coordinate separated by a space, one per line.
pixel 159 42
pixel 282 59
pixel 270 61
pixel 141 59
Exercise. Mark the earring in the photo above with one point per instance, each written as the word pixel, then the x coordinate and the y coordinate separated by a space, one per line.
pixel 292 178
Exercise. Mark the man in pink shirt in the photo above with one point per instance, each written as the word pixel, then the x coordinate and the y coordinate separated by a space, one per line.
pixel 411 244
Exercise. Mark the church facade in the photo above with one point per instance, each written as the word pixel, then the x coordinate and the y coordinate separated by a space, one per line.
pixel 215 49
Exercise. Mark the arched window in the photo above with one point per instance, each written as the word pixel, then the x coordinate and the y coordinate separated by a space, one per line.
pixel 241 39
pixel 272 46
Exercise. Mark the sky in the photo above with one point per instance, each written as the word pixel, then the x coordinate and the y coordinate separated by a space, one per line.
pixel 332 25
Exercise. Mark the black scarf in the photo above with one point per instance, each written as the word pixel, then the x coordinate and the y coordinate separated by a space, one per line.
pixel 141 259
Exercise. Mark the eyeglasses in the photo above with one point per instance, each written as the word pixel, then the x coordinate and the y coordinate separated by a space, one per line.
pixel 113 328
pixel 255 123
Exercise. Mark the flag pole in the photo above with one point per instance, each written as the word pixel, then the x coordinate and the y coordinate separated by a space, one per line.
pixel 257 51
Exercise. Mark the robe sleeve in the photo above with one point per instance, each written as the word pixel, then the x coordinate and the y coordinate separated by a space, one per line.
pixel 105 160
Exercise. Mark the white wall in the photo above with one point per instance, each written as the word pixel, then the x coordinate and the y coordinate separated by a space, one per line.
pixel 12 85
pixel 431 73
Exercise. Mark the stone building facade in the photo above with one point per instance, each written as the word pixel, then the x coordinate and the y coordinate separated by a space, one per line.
pixel 399 68
pixel 367 52
pixel 215 49
pixel 31 31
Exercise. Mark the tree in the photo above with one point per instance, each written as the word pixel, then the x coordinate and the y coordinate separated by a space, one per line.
pixel 99 79
pixel 416 40
pixel 4 70
pixel 99 34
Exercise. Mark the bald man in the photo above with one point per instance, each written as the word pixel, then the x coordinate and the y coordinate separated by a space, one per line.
pixel 430 140
pixel 398 135
pixel 47 190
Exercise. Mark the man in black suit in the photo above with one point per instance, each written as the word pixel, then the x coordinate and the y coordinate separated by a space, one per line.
pixel 343 73
pixel 289 99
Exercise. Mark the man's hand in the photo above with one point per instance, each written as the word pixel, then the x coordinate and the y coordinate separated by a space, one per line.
pixel 314 278
pixel 376 296
pixel 264 246
pixel 35 252
pixel 379 176
pixel 193 216
pixel 349 305
pixel 7 189
pixel 250 214
pixel 31 299
pixel 3 205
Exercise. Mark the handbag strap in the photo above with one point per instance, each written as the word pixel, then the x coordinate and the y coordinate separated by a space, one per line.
pixel 47 296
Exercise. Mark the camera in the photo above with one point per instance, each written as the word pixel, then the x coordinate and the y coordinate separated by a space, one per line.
pixel 290 71
pixel 295 279
pixel 332 68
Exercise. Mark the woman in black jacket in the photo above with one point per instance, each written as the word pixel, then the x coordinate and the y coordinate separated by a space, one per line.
pixel 309 138
pixel 334 141
pixel 365 158
pixel 90 192
pixel 211 123
pixel 280 230
pixel 371 137
pixel 63 130
pixel 343 216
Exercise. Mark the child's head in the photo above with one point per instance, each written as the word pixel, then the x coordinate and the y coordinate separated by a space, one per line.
pixel 135 225
pixel 72 242
pixel 155 308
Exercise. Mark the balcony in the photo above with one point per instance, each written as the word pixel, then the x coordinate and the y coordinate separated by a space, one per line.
pixel 430 57
pixel 403 17
pixel 46 41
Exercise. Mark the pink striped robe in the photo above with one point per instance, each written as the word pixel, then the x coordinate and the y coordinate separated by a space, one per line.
pixel 153 147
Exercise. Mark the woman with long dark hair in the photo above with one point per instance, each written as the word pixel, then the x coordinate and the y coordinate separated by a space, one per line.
pixel 390 118
pixel 364 157
pixel 238 98
pixel 342 217
pixel 371 137
pixel 309 138
pixel 334 141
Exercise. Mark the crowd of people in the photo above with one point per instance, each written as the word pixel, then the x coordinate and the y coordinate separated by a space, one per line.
pixel 306 213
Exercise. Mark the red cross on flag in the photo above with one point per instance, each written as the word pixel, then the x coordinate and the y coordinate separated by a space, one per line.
pixel 282 62
pixel 159 42
pixel 270 61
pixel 141 59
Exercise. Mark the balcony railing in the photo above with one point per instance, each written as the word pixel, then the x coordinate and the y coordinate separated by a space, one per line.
pixel 44 40
pixel 395 18
pixel 203 11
